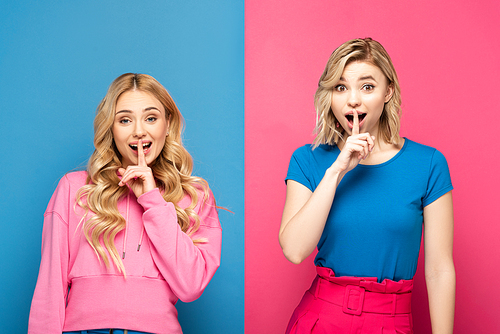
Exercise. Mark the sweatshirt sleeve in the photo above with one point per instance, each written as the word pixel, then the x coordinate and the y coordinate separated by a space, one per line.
pixel 48 305
pixel 186 268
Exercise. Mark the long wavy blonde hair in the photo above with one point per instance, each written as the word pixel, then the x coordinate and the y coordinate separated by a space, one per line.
pixel 363 50
pixel 172 171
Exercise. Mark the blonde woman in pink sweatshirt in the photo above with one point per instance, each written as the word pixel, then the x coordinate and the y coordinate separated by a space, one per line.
pixel 124 240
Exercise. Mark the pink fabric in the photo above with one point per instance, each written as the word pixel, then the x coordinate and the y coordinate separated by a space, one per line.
pixel 369 283
pixel 167 267
pixel 317 313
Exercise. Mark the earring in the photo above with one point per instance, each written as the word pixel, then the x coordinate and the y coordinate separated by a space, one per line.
pixel 337 124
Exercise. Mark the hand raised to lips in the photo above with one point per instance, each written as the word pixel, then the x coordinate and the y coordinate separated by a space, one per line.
pixel 356 147
pixel 138 178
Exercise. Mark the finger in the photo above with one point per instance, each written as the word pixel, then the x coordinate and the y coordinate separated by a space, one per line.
pixel 365 150
pixel 361 147
pixel 121 172
pixel 356 147
pixel 362 136
pixel 355 124
pixel 135 172
pixel 359 141
pixel 363 139
pixel 371 143
pixel 130 176
pixel 140 153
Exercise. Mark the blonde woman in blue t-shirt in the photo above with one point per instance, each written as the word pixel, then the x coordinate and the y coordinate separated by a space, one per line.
pixel 361 194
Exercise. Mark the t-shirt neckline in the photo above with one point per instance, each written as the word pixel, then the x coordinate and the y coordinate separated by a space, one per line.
pixel 396 156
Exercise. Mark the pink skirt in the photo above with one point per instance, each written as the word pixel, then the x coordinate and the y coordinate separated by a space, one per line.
pixel 353 305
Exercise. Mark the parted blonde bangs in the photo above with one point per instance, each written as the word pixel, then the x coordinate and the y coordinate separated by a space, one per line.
pixel 172 171
pixel 363 50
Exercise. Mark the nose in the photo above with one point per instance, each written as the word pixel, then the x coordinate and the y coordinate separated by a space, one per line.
pixel 354 98
pixel 139 131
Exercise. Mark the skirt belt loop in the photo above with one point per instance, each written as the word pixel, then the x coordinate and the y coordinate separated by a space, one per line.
pixel 316 290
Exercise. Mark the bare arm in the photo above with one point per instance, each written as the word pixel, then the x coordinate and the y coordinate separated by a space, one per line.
pixel 304 216
pixel 439 266
pixel 305 212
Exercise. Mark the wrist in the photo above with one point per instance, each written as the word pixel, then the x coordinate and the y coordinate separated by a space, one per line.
pixel 333 175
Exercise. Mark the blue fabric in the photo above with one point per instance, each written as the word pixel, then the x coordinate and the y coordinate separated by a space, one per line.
pixel 374 227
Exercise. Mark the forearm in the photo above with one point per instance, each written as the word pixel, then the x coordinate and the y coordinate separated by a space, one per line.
pixel 300 233
pixel 439 267
pixel 186 267
pixel 441 292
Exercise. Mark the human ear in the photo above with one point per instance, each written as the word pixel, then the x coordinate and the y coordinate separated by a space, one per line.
pixel 390 91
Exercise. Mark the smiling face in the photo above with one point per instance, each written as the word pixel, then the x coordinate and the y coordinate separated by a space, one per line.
pixel 139 116
pixel 362 88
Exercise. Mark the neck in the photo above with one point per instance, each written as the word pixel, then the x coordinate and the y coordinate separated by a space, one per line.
pixel 380 145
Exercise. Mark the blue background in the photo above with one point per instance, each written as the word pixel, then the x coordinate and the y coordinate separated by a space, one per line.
pixel 57 59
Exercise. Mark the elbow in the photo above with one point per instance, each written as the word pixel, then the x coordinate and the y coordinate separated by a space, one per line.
pixel 193 287
pixel 292 254
pixel 190 292
pixel 191 296
pixel 294 258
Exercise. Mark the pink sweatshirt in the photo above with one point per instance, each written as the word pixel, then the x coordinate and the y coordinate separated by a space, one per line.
pixel 167 267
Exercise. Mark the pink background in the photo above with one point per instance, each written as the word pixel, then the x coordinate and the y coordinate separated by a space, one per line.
pixel 447 55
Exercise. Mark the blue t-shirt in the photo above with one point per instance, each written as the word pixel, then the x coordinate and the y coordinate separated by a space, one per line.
pixel 374 226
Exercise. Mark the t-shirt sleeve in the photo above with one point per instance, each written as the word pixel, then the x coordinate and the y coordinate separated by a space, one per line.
pixel 439 179
pixel 299 167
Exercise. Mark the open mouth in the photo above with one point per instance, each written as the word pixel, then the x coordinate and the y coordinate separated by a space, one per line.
pixel 350 118
pixel 145 146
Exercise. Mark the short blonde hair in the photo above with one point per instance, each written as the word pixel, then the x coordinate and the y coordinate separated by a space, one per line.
pixel 363 50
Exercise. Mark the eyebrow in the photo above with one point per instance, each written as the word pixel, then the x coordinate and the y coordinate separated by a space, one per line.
pixel 366 77
pixel 130 111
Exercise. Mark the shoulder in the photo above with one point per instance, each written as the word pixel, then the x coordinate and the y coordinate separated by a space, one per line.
pixel 71 181
pixel 434 168
pixel 205 201
pixel 66 190
pixel 308 149
pixel 304 150
pixel 429 162
pixel 424 153
pixel 76 178
pixel 420 148
pixel 308 152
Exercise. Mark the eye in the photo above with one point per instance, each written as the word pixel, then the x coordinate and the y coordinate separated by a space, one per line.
pixel 340 88
pixel 151 119
pixel 368 87
pixel 124 121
